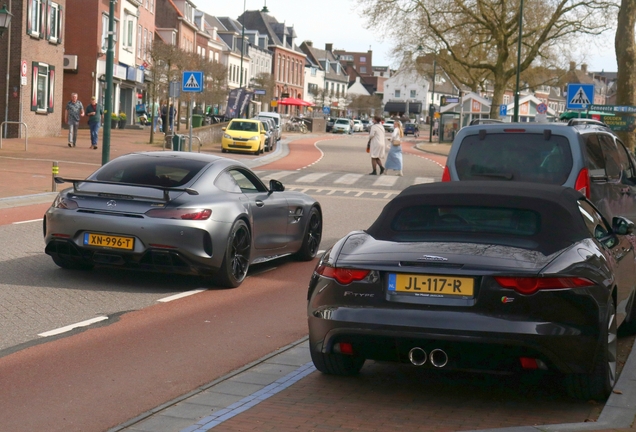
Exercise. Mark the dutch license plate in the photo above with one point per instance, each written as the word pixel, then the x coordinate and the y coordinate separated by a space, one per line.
pixel 103 240
pixel 431 285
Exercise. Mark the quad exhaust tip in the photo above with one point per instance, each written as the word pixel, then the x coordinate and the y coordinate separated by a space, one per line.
pixel 439 358
pixel 417 356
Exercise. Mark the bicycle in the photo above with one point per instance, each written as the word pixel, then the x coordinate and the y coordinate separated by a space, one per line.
pixel 296 126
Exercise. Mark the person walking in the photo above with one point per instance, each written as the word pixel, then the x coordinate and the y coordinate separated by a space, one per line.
pixel 394 157
pixel 95 115
pixel 377 146
pixel 74 110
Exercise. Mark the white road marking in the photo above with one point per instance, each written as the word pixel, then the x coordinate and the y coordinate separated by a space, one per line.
pixel 385 180
pixel 28 221
pixel 73 326
pixel 277 175
pixel 181 295
pixel 311 178
pixel 348 179
pixel 420 180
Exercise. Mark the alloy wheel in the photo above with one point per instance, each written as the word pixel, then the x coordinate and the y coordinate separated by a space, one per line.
pixel 240 251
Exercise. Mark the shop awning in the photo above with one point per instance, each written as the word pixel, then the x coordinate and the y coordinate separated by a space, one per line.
pixel 395 107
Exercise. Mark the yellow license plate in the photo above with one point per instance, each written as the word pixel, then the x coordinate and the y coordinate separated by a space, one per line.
pixel 117 242
pixel 431 285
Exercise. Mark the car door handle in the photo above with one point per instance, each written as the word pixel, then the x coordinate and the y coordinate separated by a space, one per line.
pixel 259 203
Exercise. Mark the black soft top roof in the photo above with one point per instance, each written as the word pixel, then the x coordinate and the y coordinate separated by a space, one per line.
pixel 561 220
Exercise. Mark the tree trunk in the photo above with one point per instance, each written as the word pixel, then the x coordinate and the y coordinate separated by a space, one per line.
pixel 625 46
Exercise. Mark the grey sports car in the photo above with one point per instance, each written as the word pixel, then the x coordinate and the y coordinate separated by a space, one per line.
pixel 177 212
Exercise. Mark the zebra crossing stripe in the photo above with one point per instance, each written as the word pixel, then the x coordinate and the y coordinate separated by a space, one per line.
pixel 348 179
pixel 313 177
pixel 420 180
pixel 385 180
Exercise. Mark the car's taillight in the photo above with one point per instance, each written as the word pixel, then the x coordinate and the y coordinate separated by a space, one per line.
pixel 530 285
pixel 446 174
pixel 583 183
pixel 186 214
pixel 344 276
pixel 64 203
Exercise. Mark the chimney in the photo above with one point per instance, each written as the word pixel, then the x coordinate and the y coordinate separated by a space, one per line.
pixel 309 43
pixel 329 47
pixel 214 33
pixel 584 68
pixel 572 65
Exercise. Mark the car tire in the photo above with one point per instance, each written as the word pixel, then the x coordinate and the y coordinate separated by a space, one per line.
pixel 223 150
pixel 70 264
pixel 236 260
pixel 337 364
pixel 312 236
pixel 598 384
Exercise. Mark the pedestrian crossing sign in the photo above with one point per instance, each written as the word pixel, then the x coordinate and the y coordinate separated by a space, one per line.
pixel 580 96
pixel 192 81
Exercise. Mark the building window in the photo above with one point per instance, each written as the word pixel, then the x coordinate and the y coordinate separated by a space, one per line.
pixel 413 94
pixel 152 6
pixel 54 30
pixel 363 69
pixel 506 99
pixel 129 33
pixel 363 59
pixel 397 93
pixel 139 41
pixel 35 14
pixel 43 87
pixel 105 32
pixel 314 71
pixel 145 56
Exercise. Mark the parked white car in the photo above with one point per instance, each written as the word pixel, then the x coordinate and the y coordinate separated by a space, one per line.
pixel 358 126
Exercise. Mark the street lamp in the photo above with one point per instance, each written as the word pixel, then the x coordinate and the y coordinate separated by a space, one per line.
pixel 5 19
pixel 516 113
pixel 242 43
pixel 431 109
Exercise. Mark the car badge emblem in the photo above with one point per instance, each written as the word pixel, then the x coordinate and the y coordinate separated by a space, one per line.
pixel 432 258
pixel 111 203
pixel 505 299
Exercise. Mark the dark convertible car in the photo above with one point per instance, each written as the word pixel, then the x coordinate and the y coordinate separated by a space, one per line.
pixel 485 276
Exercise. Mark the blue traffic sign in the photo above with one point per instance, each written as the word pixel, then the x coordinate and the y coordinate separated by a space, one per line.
pixel 326 110
pixel 580 96
pixel 503 110
pixel 192 81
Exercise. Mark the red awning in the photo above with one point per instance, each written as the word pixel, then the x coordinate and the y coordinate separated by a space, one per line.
pixel 294 101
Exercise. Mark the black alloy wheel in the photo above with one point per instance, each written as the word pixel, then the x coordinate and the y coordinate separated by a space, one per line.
pixel 312 237
pixel 237 256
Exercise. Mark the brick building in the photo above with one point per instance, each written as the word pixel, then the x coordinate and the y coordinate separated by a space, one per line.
pixel 34 52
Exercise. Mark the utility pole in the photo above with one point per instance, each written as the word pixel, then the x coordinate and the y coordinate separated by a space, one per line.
pixel 108 102
pixel 431 109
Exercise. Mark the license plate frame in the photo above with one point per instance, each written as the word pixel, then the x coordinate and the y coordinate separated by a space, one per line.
pixel 430 285
pixel 109 241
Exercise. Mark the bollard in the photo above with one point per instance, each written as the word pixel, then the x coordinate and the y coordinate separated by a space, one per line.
pixel 55 170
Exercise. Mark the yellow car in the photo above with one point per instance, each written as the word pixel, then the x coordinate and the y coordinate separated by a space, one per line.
pixel 243 135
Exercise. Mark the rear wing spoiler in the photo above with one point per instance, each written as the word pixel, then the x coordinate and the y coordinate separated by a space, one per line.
pixel 166 190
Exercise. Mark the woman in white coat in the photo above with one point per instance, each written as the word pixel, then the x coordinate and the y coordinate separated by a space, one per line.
pixel 377 145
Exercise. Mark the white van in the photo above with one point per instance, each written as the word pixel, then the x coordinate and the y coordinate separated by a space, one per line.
pixel 277 120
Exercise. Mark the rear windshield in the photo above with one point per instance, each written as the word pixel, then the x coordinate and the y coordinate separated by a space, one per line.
pixel 514 156
pixel 243 126
pixel 413 222
pixel 273 118
pixel 151 171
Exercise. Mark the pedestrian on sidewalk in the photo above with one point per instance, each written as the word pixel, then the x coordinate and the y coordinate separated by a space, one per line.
pixel 377 145
pixel 95 115
pixel 74 110
pixel 394 157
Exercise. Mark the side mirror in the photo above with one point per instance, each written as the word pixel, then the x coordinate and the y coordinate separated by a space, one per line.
pixel 622 226
pixel 276 186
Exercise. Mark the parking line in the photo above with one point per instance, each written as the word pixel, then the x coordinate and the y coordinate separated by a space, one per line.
pixel 181 295
pixel 28 221
pixel 73 326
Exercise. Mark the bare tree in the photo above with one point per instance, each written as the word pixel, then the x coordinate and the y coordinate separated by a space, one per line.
pixel 265 81
pixel 626 57
pixel 476 37
pixel 362 104
pixel 161 72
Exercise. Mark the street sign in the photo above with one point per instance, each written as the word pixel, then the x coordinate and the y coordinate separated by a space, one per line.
pixel 503 110
pixel 326 110
pixel 542 108
pixel 23 69
pixel 580 96
pixel 192 81
pixel 173 89
pixel 259 91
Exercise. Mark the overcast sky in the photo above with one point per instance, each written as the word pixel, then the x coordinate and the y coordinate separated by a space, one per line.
pixel 340 23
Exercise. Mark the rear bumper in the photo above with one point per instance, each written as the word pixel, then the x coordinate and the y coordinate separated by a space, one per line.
pixel 482 343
